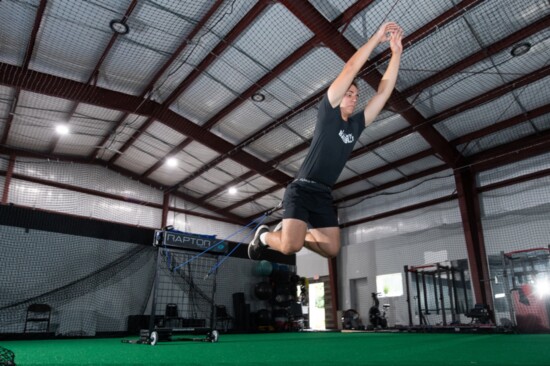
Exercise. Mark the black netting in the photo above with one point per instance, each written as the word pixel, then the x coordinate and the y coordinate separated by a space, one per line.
pixel 7 357
pixel 186 288
pixel 91 285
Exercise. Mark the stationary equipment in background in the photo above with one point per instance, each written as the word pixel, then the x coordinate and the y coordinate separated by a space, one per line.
pixel 38 318
pixel 526 276
pixel 442 293
pixel 184 288
pixel 351 320
pixel 278 289
pixel 377 318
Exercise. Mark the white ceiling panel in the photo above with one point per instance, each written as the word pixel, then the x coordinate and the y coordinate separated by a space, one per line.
pixel 291 165
pixel 212 34
pixel 500 138
pixel 386 124
pixel 294 132
pixel 478 118
pixel 386 177
pixel 35 120
pixel 77 143
pixel 199 154
pixel 363 163
pixel 403 147
pixel 420 165
pixel 351 189
pixel 203 99
pixel 169 176
pixel 273 36
pixel 249 118
pixel 491 19
pixel 123 132
pixel 6 101
pixel 136 159
pixel 256 209
pixel 67 31
pixel 203 184
pixel 232 167
pixel 309 75
pixel 447 42
pixel 167 137
pixel 16 22
pixel 410 14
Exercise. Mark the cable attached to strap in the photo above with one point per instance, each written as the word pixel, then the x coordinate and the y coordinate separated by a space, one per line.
pixel 260 220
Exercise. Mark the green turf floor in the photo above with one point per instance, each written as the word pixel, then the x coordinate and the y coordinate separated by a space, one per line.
pixel 307 348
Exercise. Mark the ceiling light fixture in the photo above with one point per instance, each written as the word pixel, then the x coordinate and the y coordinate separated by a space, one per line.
pixel 62 129
pixel 520 49
pixel 258 97
pixel 172 162
pixel 118 26
pixel 232 190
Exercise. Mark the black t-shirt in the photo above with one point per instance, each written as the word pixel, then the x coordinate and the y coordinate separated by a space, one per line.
pixel 332 144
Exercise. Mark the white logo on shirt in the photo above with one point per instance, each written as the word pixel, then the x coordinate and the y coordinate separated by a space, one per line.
pixel 348 139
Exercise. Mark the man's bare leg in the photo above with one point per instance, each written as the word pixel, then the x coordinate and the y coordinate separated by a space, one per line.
pixel 294 235
pixel 324 241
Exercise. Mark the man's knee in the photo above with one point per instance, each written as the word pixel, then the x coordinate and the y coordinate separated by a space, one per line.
pixel 331 251
pixel 291 247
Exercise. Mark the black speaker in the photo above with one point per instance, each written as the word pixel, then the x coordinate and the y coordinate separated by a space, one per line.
pixel 239 309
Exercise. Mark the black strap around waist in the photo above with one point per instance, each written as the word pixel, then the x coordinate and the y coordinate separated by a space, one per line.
pixel 305 180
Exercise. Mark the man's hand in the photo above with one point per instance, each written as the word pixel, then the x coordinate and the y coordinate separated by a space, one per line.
pixel 385 31
pixel 395 41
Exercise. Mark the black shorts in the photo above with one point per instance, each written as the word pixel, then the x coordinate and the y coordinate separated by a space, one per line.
pixel 310 202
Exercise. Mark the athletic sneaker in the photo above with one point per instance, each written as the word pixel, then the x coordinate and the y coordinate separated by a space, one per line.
pixel 279 226
pixel 255 248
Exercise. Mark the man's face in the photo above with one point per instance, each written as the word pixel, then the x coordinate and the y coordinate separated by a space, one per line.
pixel 350 100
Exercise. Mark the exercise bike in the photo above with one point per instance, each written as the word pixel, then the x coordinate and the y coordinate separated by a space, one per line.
pixel 377 318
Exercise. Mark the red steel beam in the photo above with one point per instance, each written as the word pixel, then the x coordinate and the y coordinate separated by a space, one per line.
pixel 398 211
pixel 235 103
pixel 346 16
pixel 385 168
pixel 7 181
pixel 55 86
pixel 95 72
pixel 471 60
pixel 474 102
pixel 499 126
pixel 415 37
pixel 468 203
pixel 25 68
pixel 93 192
pixel 163 69
pixel 206 62
pixel 344 49
pixel 250 174
pixel 63 88
pixel 382 187
pixel 355 179
pixel 509 153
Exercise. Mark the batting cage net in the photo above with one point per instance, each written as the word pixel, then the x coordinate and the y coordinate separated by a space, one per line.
pixel 81 285
pixel 7 357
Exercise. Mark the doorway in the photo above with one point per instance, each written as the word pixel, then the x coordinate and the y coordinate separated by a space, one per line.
pixel 317 306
